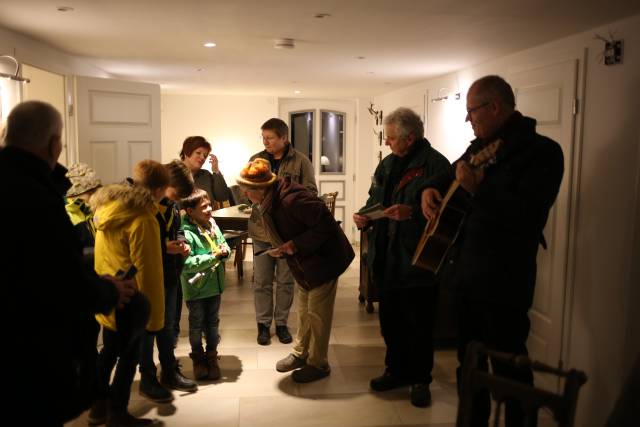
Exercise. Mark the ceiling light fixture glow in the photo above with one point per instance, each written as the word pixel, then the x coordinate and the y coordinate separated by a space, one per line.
pixel 65 9
pixel 322 15
pixel 297 92
pixel 209 44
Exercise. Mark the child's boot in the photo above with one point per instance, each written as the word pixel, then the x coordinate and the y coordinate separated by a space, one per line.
pixel 212 361
pixel 200 368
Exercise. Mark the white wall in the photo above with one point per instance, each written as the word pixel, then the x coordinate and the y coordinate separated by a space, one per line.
pixel 38 54
pixel 603 320
pixel 230 123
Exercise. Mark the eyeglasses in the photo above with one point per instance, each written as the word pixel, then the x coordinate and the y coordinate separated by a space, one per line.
pixel 471 110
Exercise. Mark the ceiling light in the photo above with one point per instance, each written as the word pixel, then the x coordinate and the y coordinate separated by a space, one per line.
pixel 65 9
pixel 209 44
pixel 322 15
pixel 361 57
pixel 297 92
pixel 284 44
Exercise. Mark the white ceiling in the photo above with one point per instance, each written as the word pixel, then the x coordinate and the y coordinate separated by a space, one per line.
pixel 402 41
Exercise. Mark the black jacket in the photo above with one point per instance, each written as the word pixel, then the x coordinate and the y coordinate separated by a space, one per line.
pixel 495 254
pixel 50 298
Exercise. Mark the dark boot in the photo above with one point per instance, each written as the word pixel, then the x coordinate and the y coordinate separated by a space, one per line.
pixel 420 395
pixel 283 334
pixel 386 382
pixel 125 419
pixel 200 368
pixel 172 378
pixel 264 335
pixel 98 412
pixel 212 362
pixel 153 390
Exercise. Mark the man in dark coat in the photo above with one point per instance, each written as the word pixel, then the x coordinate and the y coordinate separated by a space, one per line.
pixel 301 229
pixel 408 294
pixel 50 298
pixel 492 268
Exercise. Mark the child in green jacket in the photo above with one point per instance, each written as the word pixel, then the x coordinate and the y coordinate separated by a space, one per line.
pixel 202 281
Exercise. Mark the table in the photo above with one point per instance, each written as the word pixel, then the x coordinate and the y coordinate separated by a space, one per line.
pixel 234 224
pixel 232 218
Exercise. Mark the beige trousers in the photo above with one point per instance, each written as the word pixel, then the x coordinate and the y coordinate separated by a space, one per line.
pixel 315 313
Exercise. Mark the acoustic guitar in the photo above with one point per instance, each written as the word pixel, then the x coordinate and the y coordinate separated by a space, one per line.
pixel 442 231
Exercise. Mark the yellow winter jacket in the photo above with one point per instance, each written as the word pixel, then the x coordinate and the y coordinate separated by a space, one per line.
pixel 128 234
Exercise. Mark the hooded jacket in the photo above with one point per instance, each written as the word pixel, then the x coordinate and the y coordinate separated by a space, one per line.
pixel 201 261
pixel 128 234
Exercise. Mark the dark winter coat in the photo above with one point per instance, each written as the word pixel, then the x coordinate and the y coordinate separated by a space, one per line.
pixel 397 180
pixel 494 258
pixel 291 212
pixel 50 298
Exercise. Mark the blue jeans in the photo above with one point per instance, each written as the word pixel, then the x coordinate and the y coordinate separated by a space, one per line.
pixel 164 338
pixel 203 317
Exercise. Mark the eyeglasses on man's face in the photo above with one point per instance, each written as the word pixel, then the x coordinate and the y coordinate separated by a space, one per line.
pixel 476 108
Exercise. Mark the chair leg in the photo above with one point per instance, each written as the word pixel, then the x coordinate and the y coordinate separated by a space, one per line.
pixel 238 259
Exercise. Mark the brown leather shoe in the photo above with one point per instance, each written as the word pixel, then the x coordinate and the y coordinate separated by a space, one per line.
pixel 309 373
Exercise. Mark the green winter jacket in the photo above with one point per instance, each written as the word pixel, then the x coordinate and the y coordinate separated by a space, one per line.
pixel 392 243
pixel 202 263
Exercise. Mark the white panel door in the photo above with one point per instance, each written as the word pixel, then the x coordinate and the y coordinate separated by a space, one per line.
pixel 330 182
pixel 118 125
pixel 48 87
pixel 547 94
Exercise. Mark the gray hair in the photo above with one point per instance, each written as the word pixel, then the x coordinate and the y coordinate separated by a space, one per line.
pixel 495 87
pixel 406 121
pixel 31 124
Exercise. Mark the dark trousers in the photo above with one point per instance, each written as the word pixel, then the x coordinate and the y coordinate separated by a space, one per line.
pixel 165 338
pixel 406 320
pixel 122 347
pixel 178 316
pixel 203 318
pixel 500 327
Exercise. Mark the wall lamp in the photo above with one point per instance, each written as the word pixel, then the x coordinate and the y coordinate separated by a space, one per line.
pixel 15 76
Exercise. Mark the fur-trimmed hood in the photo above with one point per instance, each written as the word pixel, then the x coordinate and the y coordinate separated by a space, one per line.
pixel 119 203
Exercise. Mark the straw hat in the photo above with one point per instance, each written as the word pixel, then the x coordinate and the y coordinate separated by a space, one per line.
pixel 257 174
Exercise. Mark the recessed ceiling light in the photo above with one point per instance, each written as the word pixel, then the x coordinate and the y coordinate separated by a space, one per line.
pixel 322 15
pixel 361 57
pixel 370 72
pixel 297 92
pixel 199 69
pixel 209 44
pixel 65 9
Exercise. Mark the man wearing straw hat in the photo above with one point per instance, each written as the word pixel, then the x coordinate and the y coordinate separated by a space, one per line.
pixel 301 229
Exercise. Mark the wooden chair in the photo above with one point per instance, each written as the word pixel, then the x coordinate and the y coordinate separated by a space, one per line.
pixel 562 405
pixel 330 200
pixel 238 239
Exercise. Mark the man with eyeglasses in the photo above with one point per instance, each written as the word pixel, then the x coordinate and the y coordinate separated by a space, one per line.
pixel 492 266
pixel 285 161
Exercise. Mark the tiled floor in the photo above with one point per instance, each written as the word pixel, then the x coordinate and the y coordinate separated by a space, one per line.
pixel 252 394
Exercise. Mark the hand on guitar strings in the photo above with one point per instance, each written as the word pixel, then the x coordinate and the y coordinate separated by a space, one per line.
pixel 399 212
pixel 468 176
pixel 430 204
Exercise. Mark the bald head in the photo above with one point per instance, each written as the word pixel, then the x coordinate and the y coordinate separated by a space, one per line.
pixel 490 103
pixel 36 127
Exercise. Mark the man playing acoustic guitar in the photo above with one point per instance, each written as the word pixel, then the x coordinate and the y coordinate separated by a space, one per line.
pixel 492 266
